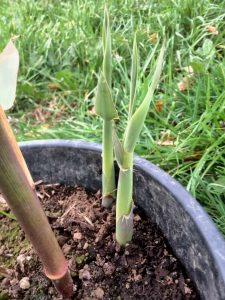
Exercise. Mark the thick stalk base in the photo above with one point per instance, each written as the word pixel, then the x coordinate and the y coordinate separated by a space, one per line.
pixel 64 285
pixel 124 229
pixel 107 201
pixel 124 206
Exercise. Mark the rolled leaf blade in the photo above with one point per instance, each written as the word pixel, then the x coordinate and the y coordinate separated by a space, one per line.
pixel 136 122
pixel 105 26
pixel 9 64
pixel 104 105
pixel 134 74
pixel 107 59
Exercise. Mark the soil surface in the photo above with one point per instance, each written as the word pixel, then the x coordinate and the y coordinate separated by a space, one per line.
pixel 144 269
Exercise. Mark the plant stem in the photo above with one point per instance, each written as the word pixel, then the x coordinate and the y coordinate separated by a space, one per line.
pixel 25 205
pixel 14 145
pixel 64 284
pixel 124 216
pixel 108 172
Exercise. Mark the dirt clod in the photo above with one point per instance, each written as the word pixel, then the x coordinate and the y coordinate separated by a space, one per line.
pixel 98 293
pixel 77 236
pixel 108 268
pixel 24 283
pixel 84 274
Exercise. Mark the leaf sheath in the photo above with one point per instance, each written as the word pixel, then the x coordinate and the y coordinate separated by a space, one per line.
pixel 124 201
pixel 108 172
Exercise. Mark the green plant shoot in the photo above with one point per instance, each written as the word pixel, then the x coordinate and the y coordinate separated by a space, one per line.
pixel 105 108
pixel 16 184
pixel 124 151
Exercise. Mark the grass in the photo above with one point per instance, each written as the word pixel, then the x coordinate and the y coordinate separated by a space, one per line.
pixel 60 48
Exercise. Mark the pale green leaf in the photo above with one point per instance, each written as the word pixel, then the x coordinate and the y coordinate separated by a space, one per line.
pixel 118 149
pixel 136 122
pixel 104 29
pixel 134 73
pixel 104 106
pixel 9 64
pixel 107 58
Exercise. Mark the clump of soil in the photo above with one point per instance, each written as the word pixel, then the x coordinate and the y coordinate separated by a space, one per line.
pixel 144 269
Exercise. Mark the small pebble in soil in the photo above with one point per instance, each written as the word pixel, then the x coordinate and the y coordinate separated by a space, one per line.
pixel 84 274
pixel 108 268
pixel 51 290
pixel 98 293
pixel 85 246
pixel 20 260
pixel 77 236
pixel 24 283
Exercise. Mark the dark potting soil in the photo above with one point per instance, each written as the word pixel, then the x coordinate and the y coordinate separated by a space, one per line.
pixel 144 269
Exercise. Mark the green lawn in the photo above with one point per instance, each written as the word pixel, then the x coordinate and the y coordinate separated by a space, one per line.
pixel 60 50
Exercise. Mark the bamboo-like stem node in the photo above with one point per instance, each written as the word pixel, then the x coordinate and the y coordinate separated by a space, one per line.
pixel 24 203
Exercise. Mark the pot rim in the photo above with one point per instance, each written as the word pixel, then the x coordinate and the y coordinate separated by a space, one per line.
pixel 206 227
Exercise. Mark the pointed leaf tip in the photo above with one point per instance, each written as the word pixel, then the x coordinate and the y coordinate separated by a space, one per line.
pixel 137 120
pixel 9 64
pixel 104 106
pixel 107 57
pixel 134 76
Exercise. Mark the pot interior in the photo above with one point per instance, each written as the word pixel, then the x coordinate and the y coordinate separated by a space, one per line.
pixel 188 229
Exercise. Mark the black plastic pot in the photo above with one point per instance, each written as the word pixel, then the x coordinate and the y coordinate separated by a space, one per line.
pixel 189 230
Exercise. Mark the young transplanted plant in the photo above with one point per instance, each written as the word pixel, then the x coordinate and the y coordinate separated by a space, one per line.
pixel 17 187
pixel 105 108
pixel 124 151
